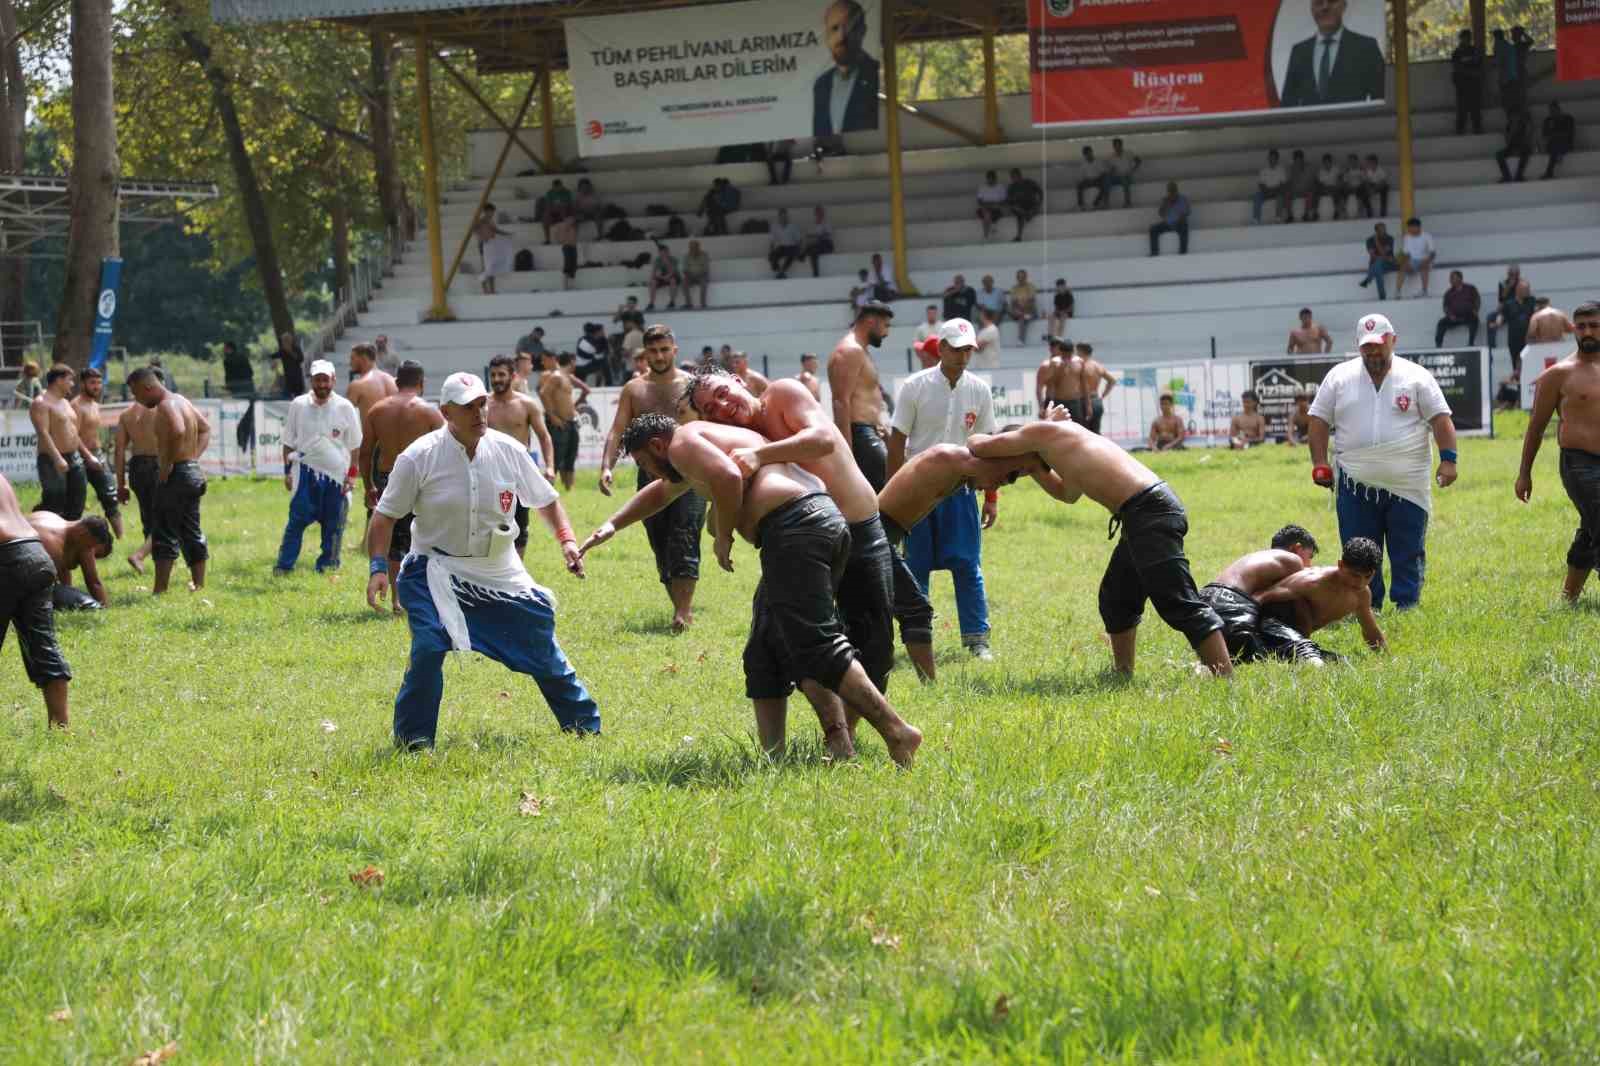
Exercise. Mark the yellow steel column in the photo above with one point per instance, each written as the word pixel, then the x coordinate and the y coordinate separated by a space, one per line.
pixel 546 116
pixel 991 101
pixel 1402 109
pixel 440 311
pixel 891 121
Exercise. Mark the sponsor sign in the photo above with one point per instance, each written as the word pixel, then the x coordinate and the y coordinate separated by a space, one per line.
pixel 1462 374
pixel 1577 40
pixel 698 77
pixel 1152 60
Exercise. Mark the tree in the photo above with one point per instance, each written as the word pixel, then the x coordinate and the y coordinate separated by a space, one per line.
pixel 13 120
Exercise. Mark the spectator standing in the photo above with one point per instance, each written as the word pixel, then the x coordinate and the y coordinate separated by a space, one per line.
pixel 28 386
pixel 696 275
pixel 1380 258
pixel 1310 337
pixel 930 325
pixel 1023 199
pixel 292 364
pixel 959 300
pixel 1374 183
pixel 531 344
pixel 1461 306
pixel 780 161
pixel 588 207
pixel 1091 175
pixel 1519 145
pixel 236 371
pixel 1326 183
pixel 1466 73
pixel 1559 131
pixel 1065 305
pixel 1511 66
pixel 664 273
pixel 784 245
pixel 945 405
pixel 1119 171
pixel 1417 255
pixel 1174 215
pixel 991 202
pixel 991 298
pixel 1272 183
pixel 1507 287
pixel 321 434
pixel 565 232
pixel 1022 304
pixel 388 362
pixel 1514 313
pixel 819 242
pixel 987 355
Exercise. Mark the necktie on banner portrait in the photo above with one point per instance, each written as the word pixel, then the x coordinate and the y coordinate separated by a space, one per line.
pixel 1094 61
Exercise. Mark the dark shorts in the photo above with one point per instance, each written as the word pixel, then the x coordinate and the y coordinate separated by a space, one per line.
pixel 144 472
pixel 569 260
pixel 1087 411
pixel 564 439
pixel 27 581
pixel 794 626
pixel 1148 564
pixel 1241 620
pixel 400 540
pixel 104 483
pixel 675 535
pixel 522 528
pixel 912 608
pixel 68 598
pixel 177 507
pixel 1580 474
pixel 63 494
pixel 872 455
pixel 866 599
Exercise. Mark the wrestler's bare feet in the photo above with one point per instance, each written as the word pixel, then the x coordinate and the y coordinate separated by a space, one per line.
pixel 903 742
pixel 682 620
pixel 921 656
pixel 839 745
pixel 137 564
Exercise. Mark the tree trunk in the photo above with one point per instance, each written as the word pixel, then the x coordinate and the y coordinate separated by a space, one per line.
pixel 251 201
pixel 339 218
pixel 13 128
pixel 92 188
pixel 381 105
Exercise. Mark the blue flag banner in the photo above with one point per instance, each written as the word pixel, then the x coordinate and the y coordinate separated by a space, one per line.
pixel 105 311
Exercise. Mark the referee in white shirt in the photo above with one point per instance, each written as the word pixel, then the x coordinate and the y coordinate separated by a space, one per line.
pixel 945 405
pixel 464 587
pixel 320 434
pixel 1384 412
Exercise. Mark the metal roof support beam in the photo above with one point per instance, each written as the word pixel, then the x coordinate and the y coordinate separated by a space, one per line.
pixel 510 131
pixel 499 165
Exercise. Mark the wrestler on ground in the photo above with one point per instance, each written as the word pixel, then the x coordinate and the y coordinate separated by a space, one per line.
pixel 857 399
pixel 86 405
pixel 808 374
pixel 1252 636
pixel 797 430
pixel 1572 388
pixel 387 429
pixel 556 387
pixel 738 365
pixel 181 434
pixel 1167 429
pixel 320 436
pixel 74 545
pixel 463 586
pixel 60 449
pixel 138 469
pixel 1318 596
pixel 1248 428
pixel 804 541
pixel 27 578
pixel 520 416
pixel 675 531
pixel 1148 561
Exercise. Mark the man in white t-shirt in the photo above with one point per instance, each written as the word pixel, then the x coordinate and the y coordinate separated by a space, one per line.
pixel 930 325
pixel 1272 183
pixel 1417 253
pixel 1091 175
pixel 991 202
pixel 987 357
pixel 945 405
pixel 1385 412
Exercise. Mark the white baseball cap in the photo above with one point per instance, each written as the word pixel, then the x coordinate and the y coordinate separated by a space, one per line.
pixel 958 333
pixel 322 366
pixel 1372 329
pixel 462 388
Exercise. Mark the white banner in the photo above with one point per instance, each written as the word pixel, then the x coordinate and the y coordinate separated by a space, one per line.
pixel 698 77
pixel 224 455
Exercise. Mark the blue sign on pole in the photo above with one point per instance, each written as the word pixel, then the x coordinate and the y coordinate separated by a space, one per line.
pixel 105 311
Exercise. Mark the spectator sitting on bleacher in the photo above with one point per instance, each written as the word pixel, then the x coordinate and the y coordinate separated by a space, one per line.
pixel 1560 131
pixel 860 293
pixel 991 202
pixel 664 272
pixel 1461 305
pixel 593 355
pixel 820 240
pixel 1349 186
pixel 780 156
pixel 1374 183
pixel 987 355
pixel 532 344
pixel 1326 183
pixel 588 206
pixel 959 299
pixel 1302 187
pixel 1119 171
pixel 1272 183
pixel 1022 304
pixel 784 245
pixel 1380 259
pixel 1417 253
pixel 1248 428
pixel 930 326
pixel 557 206
pixel 1091 175
pixel 713 205
pixel 696 275
pixel 883 289
pixel 991 298
pixel 1064 308
pixel 1167 430
pixel 1174 215
pixel 625 311
pixel 1519 146
pixel 1023 198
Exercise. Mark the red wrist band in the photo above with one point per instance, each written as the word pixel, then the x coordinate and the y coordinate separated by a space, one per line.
pixel 991 495
pixel 566 536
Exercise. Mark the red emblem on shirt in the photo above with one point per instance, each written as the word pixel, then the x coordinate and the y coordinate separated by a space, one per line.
pixel 507 498
pixel 336 433
pixel 971 420
pixel 1403 402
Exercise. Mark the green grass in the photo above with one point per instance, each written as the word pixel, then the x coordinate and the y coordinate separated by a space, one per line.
pixel 1394 861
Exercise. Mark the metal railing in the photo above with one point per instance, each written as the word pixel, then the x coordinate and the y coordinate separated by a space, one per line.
pixel 367 271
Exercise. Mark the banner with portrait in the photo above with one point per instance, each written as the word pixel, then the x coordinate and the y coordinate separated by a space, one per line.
pixel 699 77
pixel 1577 40
pixel 1114 61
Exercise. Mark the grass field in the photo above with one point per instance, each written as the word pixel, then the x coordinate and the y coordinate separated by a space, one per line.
pixel 1391 861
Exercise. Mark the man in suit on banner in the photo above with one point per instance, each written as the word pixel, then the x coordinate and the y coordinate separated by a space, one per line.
pixel 845 96
pixel 1335 66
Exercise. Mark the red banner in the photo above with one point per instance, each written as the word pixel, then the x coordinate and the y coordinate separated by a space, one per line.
pixel 1577 40
pixel 1131 60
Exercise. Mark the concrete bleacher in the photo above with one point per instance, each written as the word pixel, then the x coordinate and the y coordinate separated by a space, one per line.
pixel 1240 285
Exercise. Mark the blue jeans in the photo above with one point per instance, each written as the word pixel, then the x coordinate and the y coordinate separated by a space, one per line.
pixel 1381 516
pixel 517 632
pixel 1262 195
pixel 1375 272
pixel 317 498
pixel 950 538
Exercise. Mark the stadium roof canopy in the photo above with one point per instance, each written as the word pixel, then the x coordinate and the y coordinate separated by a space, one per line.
pixel 519 35
pixel 38 207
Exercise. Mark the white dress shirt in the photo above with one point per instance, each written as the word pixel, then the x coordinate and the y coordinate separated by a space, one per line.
pixel 839 101
pixel 928 411
pixel 460 502
pixel 324 435
pixel 1382 436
